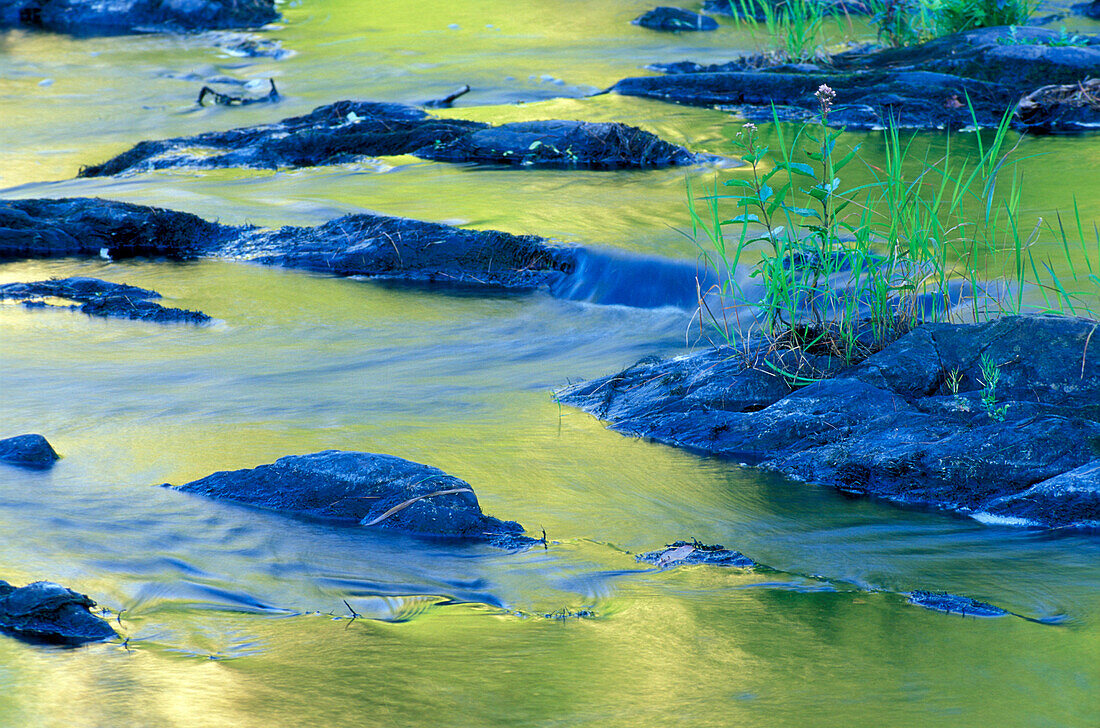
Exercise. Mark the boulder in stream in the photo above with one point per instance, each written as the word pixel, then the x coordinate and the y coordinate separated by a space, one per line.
pixel 349 131
pixel 911 423
pixel 48 612
pixel 364 489
pixel 29 451
pixel 671 19
pixel 119 17
pixel 101 298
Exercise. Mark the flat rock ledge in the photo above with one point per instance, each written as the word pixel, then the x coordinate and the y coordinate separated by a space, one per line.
pixel 375 246
pixel 365 489
pixel 911 423
pixel 927 86
pixel 48 612
pixel 351 131
pixel 120 17
pixel 100 298
pixel 28 451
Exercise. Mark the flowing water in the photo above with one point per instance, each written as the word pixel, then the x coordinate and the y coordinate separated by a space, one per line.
pixel 235 616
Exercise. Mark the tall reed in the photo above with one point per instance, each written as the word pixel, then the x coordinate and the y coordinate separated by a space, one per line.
pixel 848 269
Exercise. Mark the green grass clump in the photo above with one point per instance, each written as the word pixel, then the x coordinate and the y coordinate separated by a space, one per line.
pixel 845 270
pixel 907 22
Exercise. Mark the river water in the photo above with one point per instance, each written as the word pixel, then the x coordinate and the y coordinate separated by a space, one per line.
pixel 237 617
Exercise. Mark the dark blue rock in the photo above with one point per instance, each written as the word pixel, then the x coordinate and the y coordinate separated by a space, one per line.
pixel 119 17
pixel 101 298
pixel 670 19
pixel 48 612
pixel 693 552
pixel 954 604
pixel 30 451
pixel 890 426
pixel 946 82
pixel 364 489
pixel 349 131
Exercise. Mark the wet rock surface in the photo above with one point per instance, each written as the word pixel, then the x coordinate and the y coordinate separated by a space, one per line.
pixel 1089 10
pixel 891 426
pixel 692 552
pixel 924 86
pixel 377 246
pixel 119 17
pixel 100 298
pixel 349 131
pixel 29 451
pixel 561 144
pixel 48 612
pixel 364 489
pixel 670 19
pixel 45 228
pixel 954 604
pixel 408 250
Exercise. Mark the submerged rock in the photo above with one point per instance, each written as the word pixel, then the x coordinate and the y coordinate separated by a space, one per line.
pixel 101 298
pixel 119 17
pixel 349 131
pixel 364 489
pixel 48 612
pixel 30 451
pixel 952 603
pixel 693 552
pixel 932 85
pixel 891 426
pixel 674 19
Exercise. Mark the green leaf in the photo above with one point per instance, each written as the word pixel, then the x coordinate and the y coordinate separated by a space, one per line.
pixel 803 212
pixel 847 158
pixel 738 183
pixel 745 218
pixel 799 168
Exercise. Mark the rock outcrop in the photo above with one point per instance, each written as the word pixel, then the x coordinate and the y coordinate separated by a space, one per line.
pixel 916 423
pixel 364 489
pixel 120 17
pixel 349 131
pixel 946 82
pixel 48 612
